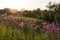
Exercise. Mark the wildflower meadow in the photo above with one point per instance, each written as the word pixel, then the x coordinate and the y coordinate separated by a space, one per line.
pixel 30 25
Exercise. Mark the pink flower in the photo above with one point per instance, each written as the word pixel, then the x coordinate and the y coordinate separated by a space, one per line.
pixel 51 27
pixel 57 29
pixel 10 18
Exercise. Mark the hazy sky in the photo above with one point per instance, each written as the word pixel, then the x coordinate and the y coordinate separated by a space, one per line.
pixel 26 4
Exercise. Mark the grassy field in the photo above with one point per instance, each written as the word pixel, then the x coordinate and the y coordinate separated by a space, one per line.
pixel 24 28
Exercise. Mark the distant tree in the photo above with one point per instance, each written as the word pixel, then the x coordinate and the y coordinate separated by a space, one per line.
pixel 1 11
pixel 6 10
pixel 51 8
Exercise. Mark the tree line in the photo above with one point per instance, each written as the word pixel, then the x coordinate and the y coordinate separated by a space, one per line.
pixel 50 15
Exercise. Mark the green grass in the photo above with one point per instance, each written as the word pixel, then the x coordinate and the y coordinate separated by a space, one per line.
pixel 8 33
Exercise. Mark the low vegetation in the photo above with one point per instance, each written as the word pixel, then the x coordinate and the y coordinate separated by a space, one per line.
pixel 30 25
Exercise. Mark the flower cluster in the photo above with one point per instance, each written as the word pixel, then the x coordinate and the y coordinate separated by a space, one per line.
pixel 50 28
pixel 17 21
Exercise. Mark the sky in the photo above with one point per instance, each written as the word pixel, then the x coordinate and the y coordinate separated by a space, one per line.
pixel 26 4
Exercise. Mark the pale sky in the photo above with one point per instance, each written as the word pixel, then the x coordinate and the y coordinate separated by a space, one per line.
pixel 26 4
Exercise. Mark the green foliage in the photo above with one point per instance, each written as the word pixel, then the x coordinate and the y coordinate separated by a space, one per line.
pixel 7 33
pixel 30 23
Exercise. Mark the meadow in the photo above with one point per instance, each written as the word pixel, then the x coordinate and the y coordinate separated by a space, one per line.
pixel 30 25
